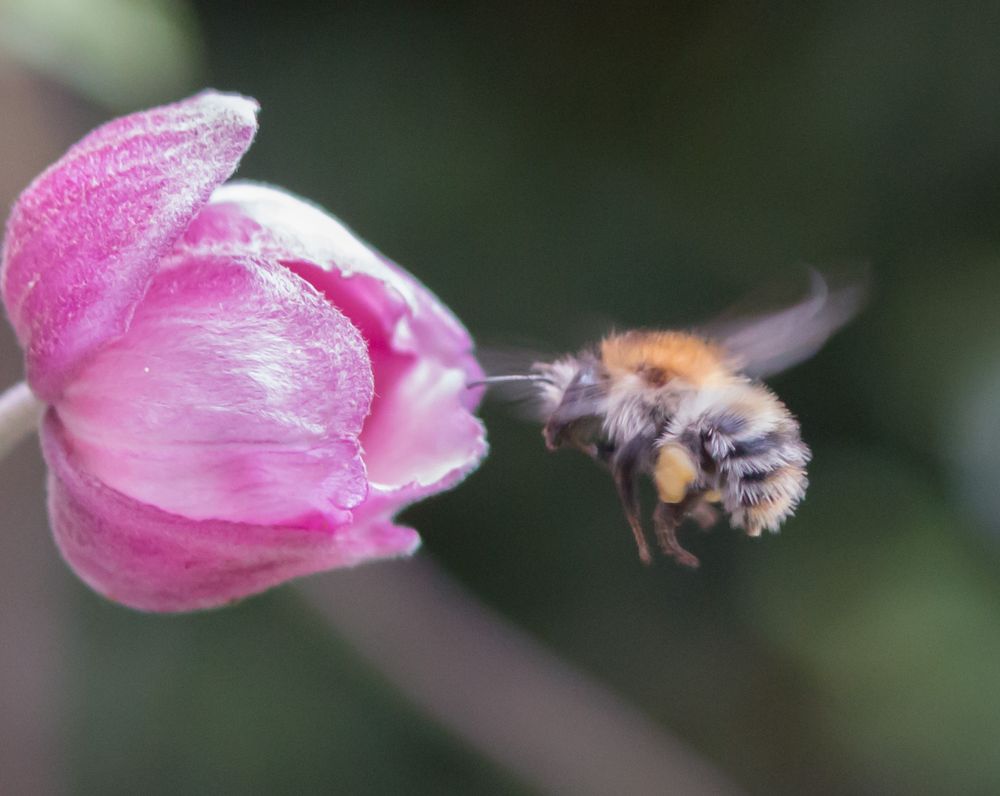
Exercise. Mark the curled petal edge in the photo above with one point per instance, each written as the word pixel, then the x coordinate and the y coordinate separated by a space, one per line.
pixel 267 221
pixel 84 239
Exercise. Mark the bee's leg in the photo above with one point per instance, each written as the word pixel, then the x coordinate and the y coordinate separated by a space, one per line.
pixel 703 512
pixel 630 502
pixel 624 470
pixel 705 515
pixel 666 518
pixel 676 475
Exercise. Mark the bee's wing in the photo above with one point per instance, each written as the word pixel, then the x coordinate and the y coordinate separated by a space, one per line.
pixel 764 345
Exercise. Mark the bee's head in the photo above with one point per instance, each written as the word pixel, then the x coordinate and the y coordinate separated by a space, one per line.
pixel 571 397
pixel 568 395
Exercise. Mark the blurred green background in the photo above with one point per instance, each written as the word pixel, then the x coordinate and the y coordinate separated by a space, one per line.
pixel 550 170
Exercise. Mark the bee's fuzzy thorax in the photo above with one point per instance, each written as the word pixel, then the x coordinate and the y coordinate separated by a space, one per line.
pixel 650 374
pixel 659 357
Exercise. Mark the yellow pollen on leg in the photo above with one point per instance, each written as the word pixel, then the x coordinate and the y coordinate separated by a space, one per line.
pixel 674 473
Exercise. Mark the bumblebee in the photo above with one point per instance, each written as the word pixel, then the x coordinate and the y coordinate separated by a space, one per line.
pixel 688 410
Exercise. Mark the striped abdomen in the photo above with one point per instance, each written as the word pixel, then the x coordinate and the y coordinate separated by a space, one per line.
pixel 746 445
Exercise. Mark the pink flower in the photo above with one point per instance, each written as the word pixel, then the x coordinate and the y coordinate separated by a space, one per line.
pixel 240 391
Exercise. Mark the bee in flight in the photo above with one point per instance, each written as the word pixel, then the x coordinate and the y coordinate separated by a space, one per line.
pixel 688 410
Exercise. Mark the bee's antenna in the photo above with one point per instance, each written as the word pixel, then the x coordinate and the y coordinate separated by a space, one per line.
pixel 508 379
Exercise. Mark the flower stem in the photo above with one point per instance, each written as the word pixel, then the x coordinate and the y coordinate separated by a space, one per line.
pixel 20 412
pixel 498 690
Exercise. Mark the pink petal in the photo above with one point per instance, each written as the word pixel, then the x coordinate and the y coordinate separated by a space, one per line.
pixel 421 436
pixel 155 561
pixel 273 223
pixel 238 394
pixel 84 238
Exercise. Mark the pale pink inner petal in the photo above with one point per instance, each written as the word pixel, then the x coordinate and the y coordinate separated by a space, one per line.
pixel 420 396
pixel 420 430
pixel 278 225
pixel 238 394
pixel 83 241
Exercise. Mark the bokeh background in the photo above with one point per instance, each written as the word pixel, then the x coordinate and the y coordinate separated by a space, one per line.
pixel 550 170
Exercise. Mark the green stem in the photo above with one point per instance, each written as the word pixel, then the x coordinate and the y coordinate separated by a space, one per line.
pixel 20 412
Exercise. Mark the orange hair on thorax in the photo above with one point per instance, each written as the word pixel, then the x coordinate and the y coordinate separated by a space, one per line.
pixel 661 356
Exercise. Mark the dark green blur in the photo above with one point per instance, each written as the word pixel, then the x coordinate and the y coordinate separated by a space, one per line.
pixel 551 171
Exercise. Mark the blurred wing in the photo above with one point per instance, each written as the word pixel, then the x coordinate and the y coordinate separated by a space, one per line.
pixel 770 343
